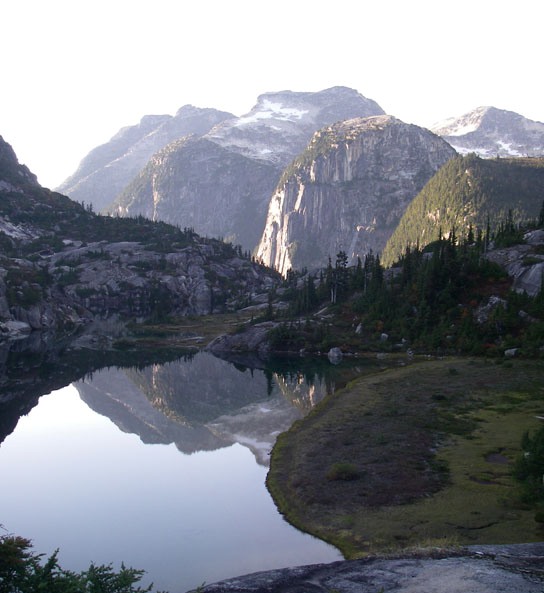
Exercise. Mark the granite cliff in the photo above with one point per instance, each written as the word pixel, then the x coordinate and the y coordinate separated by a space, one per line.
pixel 220 183
pixel 348 190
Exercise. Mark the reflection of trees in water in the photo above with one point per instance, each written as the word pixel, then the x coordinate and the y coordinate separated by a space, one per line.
pixel 195 400
pixel 42 363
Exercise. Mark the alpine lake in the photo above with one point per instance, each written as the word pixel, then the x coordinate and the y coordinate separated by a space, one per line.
pixel 154 457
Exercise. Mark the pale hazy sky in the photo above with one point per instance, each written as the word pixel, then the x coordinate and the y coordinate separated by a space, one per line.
pixel 75 71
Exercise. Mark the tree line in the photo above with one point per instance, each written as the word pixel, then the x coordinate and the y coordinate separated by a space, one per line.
pixel 430 296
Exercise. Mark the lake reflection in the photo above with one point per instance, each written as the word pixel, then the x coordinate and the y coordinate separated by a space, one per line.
pixel 191 508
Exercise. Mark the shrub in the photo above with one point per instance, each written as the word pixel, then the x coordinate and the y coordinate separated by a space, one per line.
pixel 22 571
pixel 344 471
pixel 529 467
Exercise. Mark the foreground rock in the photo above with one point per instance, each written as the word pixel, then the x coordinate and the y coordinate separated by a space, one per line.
pixel 477 569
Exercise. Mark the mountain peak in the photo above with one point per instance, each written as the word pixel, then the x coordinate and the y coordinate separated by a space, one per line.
pixel 491 132
pixel 10 169
pixel 191 111
pixel 347 190
pixel 281 123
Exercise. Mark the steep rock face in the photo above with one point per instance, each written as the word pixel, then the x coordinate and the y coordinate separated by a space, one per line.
pixel 491 132
pixel 198 184
pixel 107 169
pixel 348 190
pixel 220 184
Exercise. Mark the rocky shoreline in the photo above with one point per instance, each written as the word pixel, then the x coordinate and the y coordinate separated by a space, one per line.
pixel 476 569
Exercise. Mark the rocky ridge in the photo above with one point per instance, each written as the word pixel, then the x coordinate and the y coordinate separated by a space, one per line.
pixel 470 192
pixel 348 190
pixel 63 266
pixel 220 184
pixel 197 183
pixel 490 132
pixel 108 168
pixel 279 126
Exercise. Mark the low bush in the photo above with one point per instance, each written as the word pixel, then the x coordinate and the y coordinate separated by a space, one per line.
pixel 344 471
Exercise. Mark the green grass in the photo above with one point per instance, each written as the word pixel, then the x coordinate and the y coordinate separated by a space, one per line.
pixel 432 471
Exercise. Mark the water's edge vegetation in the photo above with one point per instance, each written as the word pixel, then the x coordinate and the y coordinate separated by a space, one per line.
pixel 416 456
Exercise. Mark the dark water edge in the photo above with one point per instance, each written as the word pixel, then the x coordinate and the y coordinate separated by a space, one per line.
pixel 192 399
pixel 41 363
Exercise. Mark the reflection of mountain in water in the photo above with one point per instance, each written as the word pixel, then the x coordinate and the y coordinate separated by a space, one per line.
pixel 202 403
pixel 111 393
pixel 41 363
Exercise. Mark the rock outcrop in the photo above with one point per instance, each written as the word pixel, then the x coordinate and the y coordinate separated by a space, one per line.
pixel 478 569
pixel 253 339
pixel 348 190
pixel 491 132
pixel 524 263
pixel 107 169
pixel 220 184
pixel 62 266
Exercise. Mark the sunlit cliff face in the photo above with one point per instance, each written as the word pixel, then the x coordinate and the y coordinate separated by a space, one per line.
pixel 347 191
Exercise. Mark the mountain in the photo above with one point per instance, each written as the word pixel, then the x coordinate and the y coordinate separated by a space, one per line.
pixel 491 132
pixel 107 169
pixel 220 184
pixel 470 191
pixel 201 402
pixel 111 393
pixel 281 124
pixel 348 190
pixel 196 183
pixel 62 266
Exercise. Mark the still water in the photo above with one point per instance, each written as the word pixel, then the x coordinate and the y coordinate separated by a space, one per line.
pixel 162 468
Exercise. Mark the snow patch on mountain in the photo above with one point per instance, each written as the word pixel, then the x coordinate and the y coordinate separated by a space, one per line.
pixel 491 132
pixel 271 110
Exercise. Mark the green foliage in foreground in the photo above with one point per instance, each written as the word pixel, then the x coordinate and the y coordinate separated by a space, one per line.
pixel 24 571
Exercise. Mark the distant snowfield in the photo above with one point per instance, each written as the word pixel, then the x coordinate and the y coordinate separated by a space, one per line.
pixel 272 110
